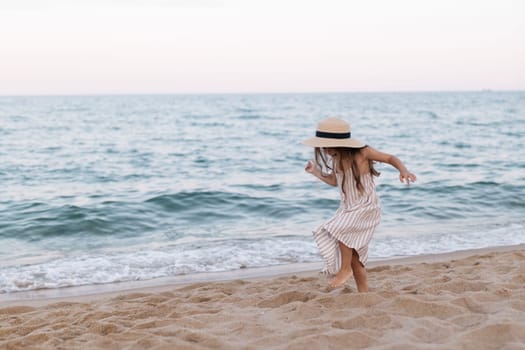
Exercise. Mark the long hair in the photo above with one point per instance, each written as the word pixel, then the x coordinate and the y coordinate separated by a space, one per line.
pixel 345 154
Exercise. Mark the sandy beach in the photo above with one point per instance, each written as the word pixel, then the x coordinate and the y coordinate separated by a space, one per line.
pixel 464 300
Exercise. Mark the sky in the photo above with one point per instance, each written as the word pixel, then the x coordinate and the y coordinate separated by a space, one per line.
pixel 230 46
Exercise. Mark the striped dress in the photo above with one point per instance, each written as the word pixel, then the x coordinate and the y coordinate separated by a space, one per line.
pixel 353 224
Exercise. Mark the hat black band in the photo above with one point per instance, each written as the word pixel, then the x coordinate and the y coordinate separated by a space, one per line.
pixel 332 135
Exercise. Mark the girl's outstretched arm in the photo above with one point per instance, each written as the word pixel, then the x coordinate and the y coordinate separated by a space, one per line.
pixel 404 174
pixel 313 169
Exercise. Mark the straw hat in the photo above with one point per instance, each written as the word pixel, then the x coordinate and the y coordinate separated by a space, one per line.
pixel 333 132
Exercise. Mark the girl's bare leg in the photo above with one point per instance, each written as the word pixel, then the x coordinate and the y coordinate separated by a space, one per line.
pixel 346 267
pixel 359 273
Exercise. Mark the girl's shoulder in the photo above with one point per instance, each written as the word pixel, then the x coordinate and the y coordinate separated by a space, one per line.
pixel 365 151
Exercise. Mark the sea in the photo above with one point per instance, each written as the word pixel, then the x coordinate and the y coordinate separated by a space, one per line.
pixel 105 189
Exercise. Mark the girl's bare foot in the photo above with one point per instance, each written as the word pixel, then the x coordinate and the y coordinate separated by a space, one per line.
pixel 342 276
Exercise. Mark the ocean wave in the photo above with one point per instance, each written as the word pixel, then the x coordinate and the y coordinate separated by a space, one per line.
pixel 182 210
pixel 438 200
pixel 39 221
pixel 187 210
pixel 225 204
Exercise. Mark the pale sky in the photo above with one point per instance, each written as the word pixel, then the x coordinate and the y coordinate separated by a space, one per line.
pixel 208 46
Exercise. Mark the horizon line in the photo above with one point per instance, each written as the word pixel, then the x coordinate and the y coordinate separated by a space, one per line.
pixel 259 93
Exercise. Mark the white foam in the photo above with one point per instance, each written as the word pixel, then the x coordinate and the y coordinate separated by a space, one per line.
pixel 96 268
pixel 154 261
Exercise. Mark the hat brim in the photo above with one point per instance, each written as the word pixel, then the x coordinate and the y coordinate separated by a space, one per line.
pixel 327 142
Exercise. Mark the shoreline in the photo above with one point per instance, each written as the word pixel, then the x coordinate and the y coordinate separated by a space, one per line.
pixel 89 293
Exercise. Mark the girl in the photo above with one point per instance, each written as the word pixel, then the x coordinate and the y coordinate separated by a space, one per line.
pixel 348 163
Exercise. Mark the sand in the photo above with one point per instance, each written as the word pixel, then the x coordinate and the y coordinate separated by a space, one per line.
pixel 468 300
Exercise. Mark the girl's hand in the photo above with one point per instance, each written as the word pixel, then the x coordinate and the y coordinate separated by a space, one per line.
pixel 407 177
pixel 310 167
